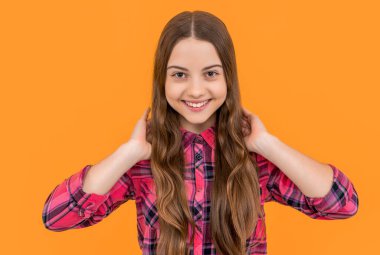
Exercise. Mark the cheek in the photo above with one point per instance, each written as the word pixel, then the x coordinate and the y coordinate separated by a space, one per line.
pixel 168 92
pixel 172 96
pixel 220 91
pixel 172 92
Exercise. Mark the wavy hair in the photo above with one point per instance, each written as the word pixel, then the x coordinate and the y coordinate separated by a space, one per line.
pixel 235 196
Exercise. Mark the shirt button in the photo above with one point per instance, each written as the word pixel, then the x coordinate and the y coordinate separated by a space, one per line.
pixel 199 189
pixel 198 139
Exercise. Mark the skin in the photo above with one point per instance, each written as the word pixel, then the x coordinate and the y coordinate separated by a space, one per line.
pixel 195 83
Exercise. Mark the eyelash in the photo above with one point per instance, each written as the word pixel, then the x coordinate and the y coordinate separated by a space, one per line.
pixel 173 75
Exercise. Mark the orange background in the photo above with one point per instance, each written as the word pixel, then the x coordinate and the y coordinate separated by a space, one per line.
pixel 76 76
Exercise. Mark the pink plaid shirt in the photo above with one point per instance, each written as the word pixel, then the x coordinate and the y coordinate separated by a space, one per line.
pixel 69 207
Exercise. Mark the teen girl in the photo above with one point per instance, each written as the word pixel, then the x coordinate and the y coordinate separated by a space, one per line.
pixel 201 169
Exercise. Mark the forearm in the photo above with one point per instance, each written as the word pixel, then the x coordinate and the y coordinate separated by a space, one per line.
pixel 313 178
pixel 104 175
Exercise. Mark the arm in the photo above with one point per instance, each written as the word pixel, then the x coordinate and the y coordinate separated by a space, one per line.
pixel 90 195
pixel 319 190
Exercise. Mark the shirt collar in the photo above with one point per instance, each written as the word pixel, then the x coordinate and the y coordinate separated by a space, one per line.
pixel 208 135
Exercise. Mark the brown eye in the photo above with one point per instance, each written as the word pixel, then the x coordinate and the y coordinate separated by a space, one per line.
pixel 176 74
pixel 212 72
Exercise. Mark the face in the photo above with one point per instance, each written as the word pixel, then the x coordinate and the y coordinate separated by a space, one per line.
pixel 192 76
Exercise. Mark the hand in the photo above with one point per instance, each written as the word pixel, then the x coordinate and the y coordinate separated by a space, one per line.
pixel 253 130
pixel 141 136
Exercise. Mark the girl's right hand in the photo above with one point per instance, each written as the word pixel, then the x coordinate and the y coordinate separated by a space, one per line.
pixel 139 136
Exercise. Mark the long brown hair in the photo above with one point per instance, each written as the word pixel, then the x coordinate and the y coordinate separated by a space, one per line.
pixel 235 199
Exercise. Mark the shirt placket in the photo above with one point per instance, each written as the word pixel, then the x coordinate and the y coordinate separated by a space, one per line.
pixel 199 192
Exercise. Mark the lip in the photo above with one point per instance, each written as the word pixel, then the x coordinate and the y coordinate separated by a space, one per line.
pixel 196 101
pixel 196 109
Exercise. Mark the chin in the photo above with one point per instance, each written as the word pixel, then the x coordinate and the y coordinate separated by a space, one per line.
pixel 196 120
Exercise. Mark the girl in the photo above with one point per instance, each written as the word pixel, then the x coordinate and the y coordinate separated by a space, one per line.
pixel 202 167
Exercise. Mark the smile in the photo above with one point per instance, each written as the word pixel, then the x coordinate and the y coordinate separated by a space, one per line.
pixel 197 107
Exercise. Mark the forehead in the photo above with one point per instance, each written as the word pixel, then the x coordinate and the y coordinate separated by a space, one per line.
pixel 194 54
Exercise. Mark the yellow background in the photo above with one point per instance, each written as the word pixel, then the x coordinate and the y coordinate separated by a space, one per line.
pixel 76 76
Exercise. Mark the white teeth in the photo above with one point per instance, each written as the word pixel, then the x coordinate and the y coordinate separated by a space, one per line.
pixel 196 105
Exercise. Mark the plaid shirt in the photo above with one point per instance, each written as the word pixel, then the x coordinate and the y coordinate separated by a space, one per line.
pixel 69 207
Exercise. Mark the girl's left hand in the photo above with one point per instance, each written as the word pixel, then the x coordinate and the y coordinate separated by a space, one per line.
pixel 253 130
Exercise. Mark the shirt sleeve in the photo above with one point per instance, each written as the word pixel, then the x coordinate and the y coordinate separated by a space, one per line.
pixel 339 203
pixel 69 207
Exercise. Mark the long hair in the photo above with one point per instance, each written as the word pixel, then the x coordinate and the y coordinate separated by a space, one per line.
pixel 235 196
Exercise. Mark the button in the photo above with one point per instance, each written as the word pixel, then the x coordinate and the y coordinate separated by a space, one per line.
pixel 198 156
pixel 84 212
pixel 198 139
pixel 199 189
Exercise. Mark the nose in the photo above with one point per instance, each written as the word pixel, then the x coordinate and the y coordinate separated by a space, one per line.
pixel 196 88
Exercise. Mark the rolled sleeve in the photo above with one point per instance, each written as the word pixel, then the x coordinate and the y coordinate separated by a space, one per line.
pixel 86 203
pixel 68 206
pixel 341 201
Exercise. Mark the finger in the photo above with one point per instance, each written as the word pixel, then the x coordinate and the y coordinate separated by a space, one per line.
pixel 146 113
pixel 246 111
pixel 149 109
pixel 246 131
pixel 244 122
pixel 247 115
pixel 250 115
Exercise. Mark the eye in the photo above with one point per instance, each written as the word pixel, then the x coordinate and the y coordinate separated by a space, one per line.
pixel 181 73
pixel 213 72
pixel 174 75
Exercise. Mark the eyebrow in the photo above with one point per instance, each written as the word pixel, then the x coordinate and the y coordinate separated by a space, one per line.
pixel 183 68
